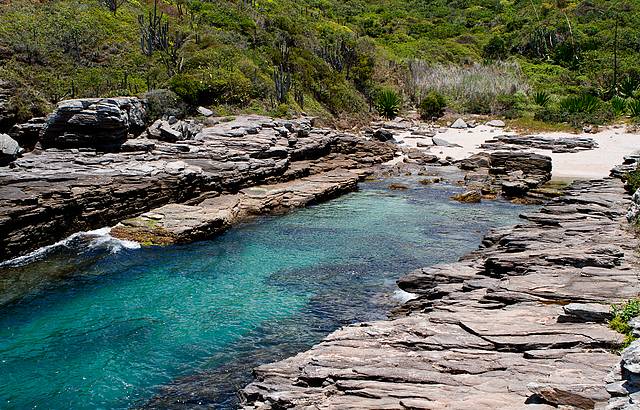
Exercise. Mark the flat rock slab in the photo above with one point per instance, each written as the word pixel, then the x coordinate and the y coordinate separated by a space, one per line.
pixel 179 223
pixel 516 324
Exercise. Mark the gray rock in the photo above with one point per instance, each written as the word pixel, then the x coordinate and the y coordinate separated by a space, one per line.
pixel 631 357
pixel 443 143
pixel 588 312
pixel 28 134
pixel 459 124
pixel 383 135
pixel 496 123
pixel 94 122
pixel 205 111
pixel 9 149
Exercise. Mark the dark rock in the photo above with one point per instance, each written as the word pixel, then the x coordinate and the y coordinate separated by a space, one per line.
pixel 383 135
pixel 102 123
pixel 28 134
pixel 468 197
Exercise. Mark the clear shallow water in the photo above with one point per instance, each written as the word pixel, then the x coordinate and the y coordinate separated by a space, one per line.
pixel 121 328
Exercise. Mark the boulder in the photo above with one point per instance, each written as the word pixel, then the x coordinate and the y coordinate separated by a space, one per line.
pixel 205 111
pixel 496 123
pixel 9 149
pixel 631 358
pixel 179 130
pixel 383 135
pixel 101 123
pixel 459 124
pixel 443 143
pixel 468 197
pixel 28 134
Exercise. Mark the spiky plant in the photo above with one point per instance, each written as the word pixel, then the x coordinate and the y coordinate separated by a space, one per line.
pixel 634 108
pixel 618 106
pixel 580 104
pixel 628 87
pixel 541 98
pixel 388 103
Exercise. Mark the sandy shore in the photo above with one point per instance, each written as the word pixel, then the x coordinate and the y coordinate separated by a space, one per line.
pixel 613 144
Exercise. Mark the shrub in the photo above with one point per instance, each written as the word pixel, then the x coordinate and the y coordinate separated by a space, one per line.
pixel 432 105
pixel 541 98
pixel 187 88
pixel 618 106
pixel 634 108
pixel 632 181
pixel 582 104
pixel 495 49
pixel 163 103
pixel 628 87
pixel 388 103
pixel 622 314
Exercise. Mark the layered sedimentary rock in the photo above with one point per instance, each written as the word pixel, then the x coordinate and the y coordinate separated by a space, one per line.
pixel 103 123
pixel 516 324
pixel 49 194
pixel 556 145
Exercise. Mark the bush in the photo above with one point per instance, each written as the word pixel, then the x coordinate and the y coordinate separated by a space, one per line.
pixel 583 104
pixel 495 49
pixel 634 108
pixel 187 88
pixel 632 181
pixel 629 86
pixel 163 103
pixel 432 105
pixel 541 98
pixel 388 103
pixel 622 314
pixel 618 106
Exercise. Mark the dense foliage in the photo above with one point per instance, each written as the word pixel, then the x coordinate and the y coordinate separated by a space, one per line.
pixel 327 57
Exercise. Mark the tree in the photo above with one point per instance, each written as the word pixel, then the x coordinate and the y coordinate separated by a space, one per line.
pixel 113 5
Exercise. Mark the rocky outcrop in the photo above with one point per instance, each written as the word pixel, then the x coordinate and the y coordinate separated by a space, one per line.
pixel 28 134
pixel 7 114
pixel 173 131
pixel 489 331
pixel 102 123
pixel 556 145
pixel 510 173
pixel 181 223
pixel 50 194
pixel 9 149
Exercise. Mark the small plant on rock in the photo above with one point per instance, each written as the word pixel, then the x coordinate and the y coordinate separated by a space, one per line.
pixel 388 103
pixel 622 314
pixel 432 106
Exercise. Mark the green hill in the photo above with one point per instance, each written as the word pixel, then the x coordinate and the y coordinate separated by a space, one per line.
pixel 325 57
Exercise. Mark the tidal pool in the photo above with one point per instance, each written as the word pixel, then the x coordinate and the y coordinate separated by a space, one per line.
pixel 119 327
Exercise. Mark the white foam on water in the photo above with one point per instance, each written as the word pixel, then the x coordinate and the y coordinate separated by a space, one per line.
pixel 95 239
pixel 403 297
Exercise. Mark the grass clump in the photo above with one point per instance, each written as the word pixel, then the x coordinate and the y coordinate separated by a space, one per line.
pixel 388 103
pixel 622 314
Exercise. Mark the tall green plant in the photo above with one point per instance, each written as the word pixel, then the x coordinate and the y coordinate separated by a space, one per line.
pixel 541 98
pixel 585 104
pixel 388 103
pixel 634 108
pixel 618 106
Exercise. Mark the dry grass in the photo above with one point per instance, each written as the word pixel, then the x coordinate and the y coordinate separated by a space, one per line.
pixel 473 88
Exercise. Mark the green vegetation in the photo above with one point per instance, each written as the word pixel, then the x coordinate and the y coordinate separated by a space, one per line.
pixel 622 314
pixel 632 181
pixel 432 105
pixel 330 57
pixel 388 103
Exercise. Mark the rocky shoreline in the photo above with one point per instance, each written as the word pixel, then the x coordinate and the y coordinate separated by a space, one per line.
pixel 519 323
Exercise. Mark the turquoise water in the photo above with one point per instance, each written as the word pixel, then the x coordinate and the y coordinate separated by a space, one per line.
pixel 116 330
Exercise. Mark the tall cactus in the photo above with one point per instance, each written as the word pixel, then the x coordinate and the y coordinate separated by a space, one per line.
pixel 154 33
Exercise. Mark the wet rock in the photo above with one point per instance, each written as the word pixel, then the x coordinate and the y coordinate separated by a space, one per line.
pixel 468 197
pixel 101 123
